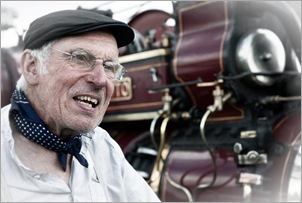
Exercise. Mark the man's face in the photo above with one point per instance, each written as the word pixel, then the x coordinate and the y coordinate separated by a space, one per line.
pixel 70 99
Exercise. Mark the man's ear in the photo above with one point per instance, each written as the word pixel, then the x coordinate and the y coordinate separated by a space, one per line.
pixel 29 66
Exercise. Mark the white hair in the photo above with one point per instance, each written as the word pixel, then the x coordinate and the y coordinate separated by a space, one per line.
pixel 42 54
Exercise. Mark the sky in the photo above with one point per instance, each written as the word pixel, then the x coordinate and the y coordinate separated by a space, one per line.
pixel 27 11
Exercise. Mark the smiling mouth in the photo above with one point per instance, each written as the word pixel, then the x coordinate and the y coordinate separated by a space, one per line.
pixel 86 100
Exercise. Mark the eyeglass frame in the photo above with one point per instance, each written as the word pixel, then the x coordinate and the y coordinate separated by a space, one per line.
pixel 119 72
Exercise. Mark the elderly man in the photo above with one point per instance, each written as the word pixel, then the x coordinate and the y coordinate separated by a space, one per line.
pixel 52 148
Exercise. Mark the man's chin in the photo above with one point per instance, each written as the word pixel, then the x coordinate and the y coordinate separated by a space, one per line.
pixel 85 128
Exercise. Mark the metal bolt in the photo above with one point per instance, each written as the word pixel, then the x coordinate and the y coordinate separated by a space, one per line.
pixel 237 147
pixel 252 156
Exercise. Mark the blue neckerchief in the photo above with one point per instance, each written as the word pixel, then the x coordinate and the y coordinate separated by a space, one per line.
pixel 30 125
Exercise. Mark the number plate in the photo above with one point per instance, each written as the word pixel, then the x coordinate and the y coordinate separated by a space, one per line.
pixel 123 90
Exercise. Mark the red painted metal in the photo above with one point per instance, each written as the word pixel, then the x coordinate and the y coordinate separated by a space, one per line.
pixel 200 58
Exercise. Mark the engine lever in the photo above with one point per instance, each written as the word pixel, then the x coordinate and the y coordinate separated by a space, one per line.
pixel 162 154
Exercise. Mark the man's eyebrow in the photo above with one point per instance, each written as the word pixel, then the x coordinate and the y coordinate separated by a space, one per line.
pixel 109 58
pixel 81 49
pixel 105 57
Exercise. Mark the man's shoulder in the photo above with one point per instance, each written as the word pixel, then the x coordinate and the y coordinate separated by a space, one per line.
pixel 5 109
pixel 101 133
pixel 101 139
pixel 4 112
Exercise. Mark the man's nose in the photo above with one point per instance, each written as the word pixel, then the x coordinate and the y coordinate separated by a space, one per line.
pixel 97 75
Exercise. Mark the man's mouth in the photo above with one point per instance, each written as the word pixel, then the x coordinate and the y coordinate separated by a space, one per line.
pixel 86 100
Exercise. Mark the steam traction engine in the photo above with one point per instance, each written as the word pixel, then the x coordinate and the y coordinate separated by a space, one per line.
pixel 209 109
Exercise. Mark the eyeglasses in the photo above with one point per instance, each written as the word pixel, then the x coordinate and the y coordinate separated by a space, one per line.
pixel 82 59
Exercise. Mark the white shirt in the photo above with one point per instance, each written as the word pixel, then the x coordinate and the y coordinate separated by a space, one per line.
pixel 109 178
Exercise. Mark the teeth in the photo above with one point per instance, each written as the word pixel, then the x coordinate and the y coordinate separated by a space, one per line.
pixel 85 103
pixel 87 98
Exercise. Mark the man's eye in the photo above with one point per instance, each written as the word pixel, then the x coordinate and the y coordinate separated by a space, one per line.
pixel 110 66
pixel 80 57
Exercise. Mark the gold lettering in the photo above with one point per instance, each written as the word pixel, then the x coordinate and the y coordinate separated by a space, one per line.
pixel 123 90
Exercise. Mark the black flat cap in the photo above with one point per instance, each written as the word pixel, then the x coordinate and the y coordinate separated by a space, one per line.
pixel 73 22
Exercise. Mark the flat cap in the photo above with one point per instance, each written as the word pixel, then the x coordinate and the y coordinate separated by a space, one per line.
pixel 73 22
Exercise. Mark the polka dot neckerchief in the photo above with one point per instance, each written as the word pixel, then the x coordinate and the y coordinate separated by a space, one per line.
pixel 30 125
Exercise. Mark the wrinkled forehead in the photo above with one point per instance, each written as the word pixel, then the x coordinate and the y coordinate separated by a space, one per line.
pixel 96 42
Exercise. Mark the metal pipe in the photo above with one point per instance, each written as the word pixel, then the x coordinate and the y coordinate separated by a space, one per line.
pixel 210 109
pixel 152 130
pixel 178 186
